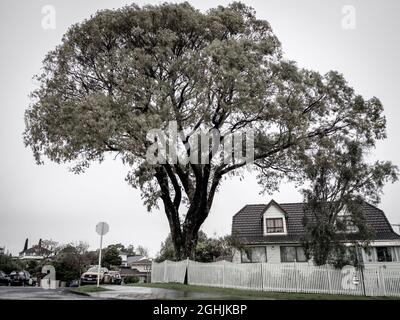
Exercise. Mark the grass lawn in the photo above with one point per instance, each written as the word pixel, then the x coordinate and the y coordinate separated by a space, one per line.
pixel 225 293
pixel 89 289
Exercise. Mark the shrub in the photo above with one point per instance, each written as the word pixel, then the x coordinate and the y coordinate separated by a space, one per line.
pixel 131 279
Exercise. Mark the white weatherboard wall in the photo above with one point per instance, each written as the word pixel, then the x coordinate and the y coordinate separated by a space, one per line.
pixel 273 254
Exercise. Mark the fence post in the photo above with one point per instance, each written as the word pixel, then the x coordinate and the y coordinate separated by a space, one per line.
pixel 262 276
pixel 382 280
pixel 186 280
pixel 329 278
pixel 151 271
pixel 295 275
pixel 223 274
pixel 165 270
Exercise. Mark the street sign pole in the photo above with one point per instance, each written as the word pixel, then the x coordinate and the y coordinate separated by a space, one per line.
pixel 101 228
pixel 98 268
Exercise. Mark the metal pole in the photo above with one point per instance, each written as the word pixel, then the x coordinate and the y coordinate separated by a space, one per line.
pixel 99 266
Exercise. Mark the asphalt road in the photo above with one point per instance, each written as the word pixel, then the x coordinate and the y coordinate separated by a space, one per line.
pixel 35 293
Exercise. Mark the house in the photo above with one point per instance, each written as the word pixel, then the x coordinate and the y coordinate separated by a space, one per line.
pixel 124 258
pixel 137 265
pixel 272 232
pixel 36 252
pixel 2 251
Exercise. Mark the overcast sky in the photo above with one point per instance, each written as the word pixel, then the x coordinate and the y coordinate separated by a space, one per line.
pixel 50 202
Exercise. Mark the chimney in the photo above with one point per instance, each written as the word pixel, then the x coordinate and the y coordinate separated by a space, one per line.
pixel 26 244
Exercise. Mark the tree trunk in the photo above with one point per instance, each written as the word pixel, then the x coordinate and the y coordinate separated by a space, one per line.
pixel 184 235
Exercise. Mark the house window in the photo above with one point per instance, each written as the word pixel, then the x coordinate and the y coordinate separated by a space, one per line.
pixel 258 254
pixel 384 254
pixel 345 223
pixel 254 254
pixel 274 225
pixel 245 256
pixel 292 254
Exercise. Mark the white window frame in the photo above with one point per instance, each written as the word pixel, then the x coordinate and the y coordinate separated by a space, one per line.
pixel 274 215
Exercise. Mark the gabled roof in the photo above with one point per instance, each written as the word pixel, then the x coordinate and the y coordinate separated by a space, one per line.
pixel 36 250
pixel 134 259
pixel 276 204
pixel 248 225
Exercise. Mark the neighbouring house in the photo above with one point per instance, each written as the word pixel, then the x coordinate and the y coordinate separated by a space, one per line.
pixel 272 233
pixel 36 252
pixel 2 251
pixel 124 258
pixel 139 266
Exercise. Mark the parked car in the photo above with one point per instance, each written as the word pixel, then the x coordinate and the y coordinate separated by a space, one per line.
pixel 4 279
pixel 115 277
pixel 21 278
pixel 90 276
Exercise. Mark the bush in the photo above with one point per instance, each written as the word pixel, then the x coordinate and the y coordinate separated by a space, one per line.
pixel 8 264
pixel 131 279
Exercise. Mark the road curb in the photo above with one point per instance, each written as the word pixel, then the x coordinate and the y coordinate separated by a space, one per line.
pixel 79 293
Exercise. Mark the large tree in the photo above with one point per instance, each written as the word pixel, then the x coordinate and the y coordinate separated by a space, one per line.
pixel 123 72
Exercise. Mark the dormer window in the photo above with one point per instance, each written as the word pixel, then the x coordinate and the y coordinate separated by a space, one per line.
pixel 274 225
pixel 345 223
pixel 274 220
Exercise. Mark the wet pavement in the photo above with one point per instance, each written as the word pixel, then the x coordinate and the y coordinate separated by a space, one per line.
pixel 114 292
pixel 142 293
pixel 35 293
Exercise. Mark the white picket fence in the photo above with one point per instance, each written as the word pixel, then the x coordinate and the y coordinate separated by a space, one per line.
pixel 169 271
pixel 373 280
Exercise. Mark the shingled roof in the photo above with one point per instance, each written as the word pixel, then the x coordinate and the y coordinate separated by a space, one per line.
pixel 247 223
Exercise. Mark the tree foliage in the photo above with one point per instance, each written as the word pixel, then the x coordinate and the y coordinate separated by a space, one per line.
pixel 72 260
pixel 111 257
pixel 8 264
pixel 123 72
pixel 142 251
pixel 341 182
pixel 207 249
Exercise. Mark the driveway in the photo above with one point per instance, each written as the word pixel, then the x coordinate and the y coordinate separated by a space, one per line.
pixel 35 293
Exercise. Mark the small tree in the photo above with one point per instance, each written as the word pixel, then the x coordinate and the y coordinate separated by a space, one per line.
pixel 26 244
pixel 33 267
pixel 111 257
pixel 207 248
pixel 68 264
pixel 167 251
pixel 341 181
pixel 8 264
pixel 142 251
pixel 50 245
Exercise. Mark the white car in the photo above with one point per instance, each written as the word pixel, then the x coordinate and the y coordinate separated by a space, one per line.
pixel 90 276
